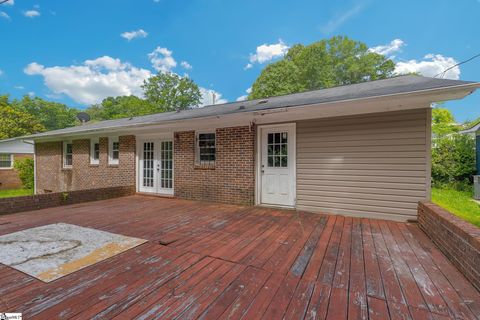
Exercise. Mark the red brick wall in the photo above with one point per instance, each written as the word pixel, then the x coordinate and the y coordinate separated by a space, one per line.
pixel 9 177
pixel 456 238
pixel 51 177
pixel 41 201
pixel 231 180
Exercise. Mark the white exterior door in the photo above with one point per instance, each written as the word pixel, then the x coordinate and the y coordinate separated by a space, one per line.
pixel 156 166
pixel 277 165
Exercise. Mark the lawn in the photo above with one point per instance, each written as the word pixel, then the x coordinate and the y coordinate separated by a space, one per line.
pixel 15 193
pixel 459 203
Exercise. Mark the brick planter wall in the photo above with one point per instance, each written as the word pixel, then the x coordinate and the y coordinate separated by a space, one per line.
pixel 47 200
pixel 230 180
pixel 456 238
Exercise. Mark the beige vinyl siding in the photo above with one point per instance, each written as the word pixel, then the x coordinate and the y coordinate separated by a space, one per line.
pixel 370 165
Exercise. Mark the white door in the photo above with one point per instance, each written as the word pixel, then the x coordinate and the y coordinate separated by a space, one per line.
pixel 277 165
pixel 156 166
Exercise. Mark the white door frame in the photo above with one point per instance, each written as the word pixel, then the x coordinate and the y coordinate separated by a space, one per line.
pixel 157 139
pixel 258 163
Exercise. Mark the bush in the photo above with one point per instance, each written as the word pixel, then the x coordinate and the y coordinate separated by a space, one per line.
pixel 25 168
pixel 453 162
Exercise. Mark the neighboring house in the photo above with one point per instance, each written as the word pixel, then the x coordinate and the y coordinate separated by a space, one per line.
pixel 10 151
pixel 359 150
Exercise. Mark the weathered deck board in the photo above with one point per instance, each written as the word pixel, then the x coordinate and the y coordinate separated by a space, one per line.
pixel 232 262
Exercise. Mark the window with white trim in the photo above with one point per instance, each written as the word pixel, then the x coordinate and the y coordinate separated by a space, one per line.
pixel 205 147
pixel 67 154
pixel 94 151
pixel 113 150
pixel 6 161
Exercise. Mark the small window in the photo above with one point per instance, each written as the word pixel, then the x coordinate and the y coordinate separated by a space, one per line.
pixel 113 150
pixel 6 161
pixel 94 151
pixel 67 154
pixel 206 152
pixel 277 152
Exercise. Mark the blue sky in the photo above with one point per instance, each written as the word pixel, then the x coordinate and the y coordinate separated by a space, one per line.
pixel 78 52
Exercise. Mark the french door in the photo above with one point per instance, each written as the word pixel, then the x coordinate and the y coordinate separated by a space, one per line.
pixel 156 166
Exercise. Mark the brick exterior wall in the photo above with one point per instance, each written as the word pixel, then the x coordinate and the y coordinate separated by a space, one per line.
pixel 231 180
pixel 42 201
pixel 456 238
pixel 52 177
pixel 9 177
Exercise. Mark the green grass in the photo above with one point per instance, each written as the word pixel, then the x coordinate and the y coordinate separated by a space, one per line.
pixel 15 193
pixel 459 203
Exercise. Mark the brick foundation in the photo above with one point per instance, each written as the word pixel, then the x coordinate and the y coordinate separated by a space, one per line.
pixel 231 180
pixel 52 177
pixel 9 177
pixel 456 238
pixel 42 201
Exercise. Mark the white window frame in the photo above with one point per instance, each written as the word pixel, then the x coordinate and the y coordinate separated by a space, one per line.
pixel 93 142
pixel 111 141
pixel 197 147
pixel 11 161
pixel 64 155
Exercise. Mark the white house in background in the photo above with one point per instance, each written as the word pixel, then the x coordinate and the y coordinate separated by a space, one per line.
pixel 11 150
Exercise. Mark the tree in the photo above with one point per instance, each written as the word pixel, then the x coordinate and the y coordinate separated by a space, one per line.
pixel 120 107
pixel 443 122
pixel 170 92
pixel 51 115
pixel 453 161
pixel 15 123
pixel 323 64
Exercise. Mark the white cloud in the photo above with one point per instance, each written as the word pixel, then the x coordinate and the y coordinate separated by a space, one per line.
pixel 162 60
pixel 388 49
pixel 93 80
pixel 430 66
pixel 4 15
pixel 207 97
pixel 31 94
pixel 31 13
pixel 245 97
pixel 267 52
pixel 186 65
pixel 19 87
pixel 334 23
pixel 9 2
pixel 129 35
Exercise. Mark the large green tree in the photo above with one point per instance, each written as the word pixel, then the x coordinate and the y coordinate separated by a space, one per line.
pixel 52 115
pixel 120 107
pixel 15 122
pixel 443 122
pixel 169 91
pixel 323 64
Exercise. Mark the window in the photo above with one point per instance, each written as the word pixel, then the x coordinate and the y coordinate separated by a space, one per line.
pixel 67 154
pixel 277 152
pixel 6 161
pixel 206 148
pixel 113 150
pixel 94 151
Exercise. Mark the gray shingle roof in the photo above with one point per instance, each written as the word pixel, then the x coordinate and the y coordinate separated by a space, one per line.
pixel 396 85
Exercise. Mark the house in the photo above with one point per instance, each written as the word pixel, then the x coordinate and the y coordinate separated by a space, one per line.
pixel 358 150
pixel 11 150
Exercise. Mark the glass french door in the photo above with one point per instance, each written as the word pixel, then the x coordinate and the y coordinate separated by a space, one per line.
pixel 156 166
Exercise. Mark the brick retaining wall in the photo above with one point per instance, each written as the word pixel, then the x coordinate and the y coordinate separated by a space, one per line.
pixel 456 238
pixel 47 200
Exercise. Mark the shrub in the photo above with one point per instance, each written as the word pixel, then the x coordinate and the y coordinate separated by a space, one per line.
pixel 25 168
pixel 453 162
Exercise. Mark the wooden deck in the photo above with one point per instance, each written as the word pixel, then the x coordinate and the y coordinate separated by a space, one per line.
pixel 212 261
